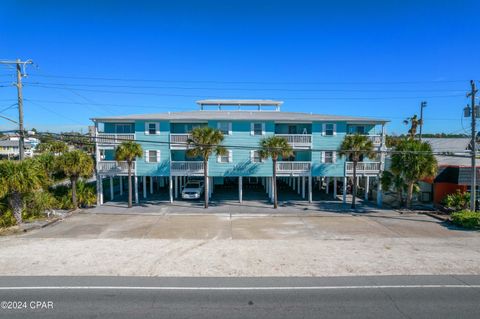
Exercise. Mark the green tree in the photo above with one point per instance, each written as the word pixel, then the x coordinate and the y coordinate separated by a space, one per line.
pixel 414 160
pixel 354 148
pixel 55 147
pixel 394 180
pixel 204 142
pixel 414 122
pixel 18 178
pixel 74 165
pixel 128 151
pixel 275 147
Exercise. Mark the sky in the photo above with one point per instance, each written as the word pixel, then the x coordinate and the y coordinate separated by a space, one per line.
pixel 362 58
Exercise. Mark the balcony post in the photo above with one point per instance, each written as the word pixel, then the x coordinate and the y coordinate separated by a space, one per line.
pixel 240 189
pixel 176 186
pixel 151 184
pixel 298 185
pixel 111 188
pixel 293 182
pixel 99 190
pixel 310 188
pixel 144 182
pixel 335 188
pixel 136 188
pixel 303 187
pixel 379 192
pixel 344 199
pixel 327 185
pixel 120 180
pixel 170 188
pixel 367 186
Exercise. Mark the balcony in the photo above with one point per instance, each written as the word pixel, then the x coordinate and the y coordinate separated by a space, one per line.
pixel 293 168
pixel 178 141
pixel 114 168
pixel 298 141
pixel 363 168
pixel 186 168
pixel 114 138
pixel 376 139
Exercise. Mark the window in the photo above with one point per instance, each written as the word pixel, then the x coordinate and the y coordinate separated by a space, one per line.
pixel 152 128
pixel 255 156
pixel 328 157
pixel 152 156
pixel 123 128
pixel 360 130
pixel 225 127
pixel 329 129
pixel 257 128
pixel 227 158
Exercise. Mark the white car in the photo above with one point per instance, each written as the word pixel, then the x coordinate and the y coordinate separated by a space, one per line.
pixel 193 190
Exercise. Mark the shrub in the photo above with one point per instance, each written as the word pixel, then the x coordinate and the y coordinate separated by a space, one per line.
pixel 37 203
pixel 86 194
pixel 7 219
pixel 457 200
pixel 466 219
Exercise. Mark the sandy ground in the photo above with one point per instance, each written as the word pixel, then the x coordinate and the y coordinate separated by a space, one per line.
pixel 90 244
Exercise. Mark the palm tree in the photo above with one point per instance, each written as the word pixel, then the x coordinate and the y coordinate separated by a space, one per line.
pixel 75 164
pixel 18 179
pixel 275 147
pixel 55 147
pixel 204 142
pixel 414 122
pixel 415 161
pixel 394 179
pixel 128 151
pixel 355 147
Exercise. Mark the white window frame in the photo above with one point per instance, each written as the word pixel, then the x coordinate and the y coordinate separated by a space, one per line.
pixel 252 128
pixel 252 157
pixel 147 128
pixel 229 157
pixel 324 129
pixel 229 127
pixel 147 156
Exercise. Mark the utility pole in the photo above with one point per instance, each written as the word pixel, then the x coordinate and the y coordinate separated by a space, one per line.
pixel 473 190
pixel 422 106
pixel 21 131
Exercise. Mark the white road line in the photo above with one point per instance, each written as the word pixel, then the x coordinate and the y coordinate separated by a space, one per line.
pixel 232 288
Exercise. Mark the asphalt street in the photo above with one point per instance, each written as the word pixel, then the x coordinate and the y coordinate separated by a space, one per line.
pixel 337 297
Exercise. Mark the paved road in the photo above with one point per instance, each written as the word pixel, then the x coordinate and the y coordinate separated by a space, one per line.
pixel 339 297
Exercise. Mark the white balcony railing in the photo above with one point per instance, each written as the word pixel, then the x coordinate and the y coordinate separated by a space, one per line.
pixel 293 167
pixel 376 139
pixel 363 168
pixel 186 168
pixel 298 140
pixel 179 140
pixel 114 138
pixel 114 168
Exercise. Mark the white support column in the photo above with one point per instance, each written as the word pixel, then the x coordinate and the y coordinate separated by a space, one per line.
pixel 303 187
pixel 294 182
pixel 144 182
pixel 182 178
pixel 335 188
pixel 379 193
pixel 111 188
pixel 310 189
pixel 151 184
pixel 176 186
pixel 135 180
pixel 99 190
pixel 327 186
pixel 298 185
pixel 170 188
pixel 273 189
pixel 240 189
pixel 120 179
pixel 367 186
pixel 344 190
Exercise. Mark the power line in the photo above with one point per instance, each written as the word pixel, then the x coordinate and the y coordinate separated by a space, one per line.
pixel 244 82
pixel 282 98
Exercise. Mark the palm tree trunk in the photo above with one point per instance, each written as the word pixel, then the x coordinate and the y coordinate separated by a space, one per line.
pixel 205 182
pixel 16 203
pixel 354 190
pixel 73 182
pixel 275 194
pixel 409 195
pixel 129 185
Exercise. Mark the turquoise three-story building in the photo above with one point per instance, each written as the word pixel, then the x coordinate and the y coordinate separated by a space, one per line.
pixel 165 167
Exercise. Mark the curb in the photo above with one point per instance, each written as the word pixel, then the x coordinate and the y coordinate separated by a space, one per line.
pixel 443 218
